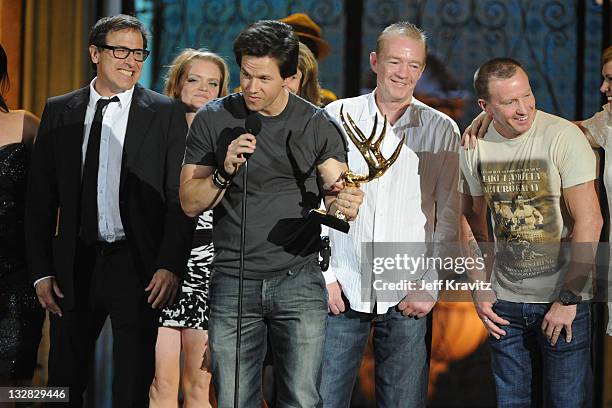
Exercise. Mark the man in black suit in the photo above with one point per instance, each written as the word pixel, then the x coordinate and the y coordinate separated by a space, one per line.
pixel 105 232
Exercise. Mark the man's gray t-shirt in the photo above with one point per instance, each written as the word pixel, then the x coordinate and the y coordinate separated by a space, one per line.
pixel 282 183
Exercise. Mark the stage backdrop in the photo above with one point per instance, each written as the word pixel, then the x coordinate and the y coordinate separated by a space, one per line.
pixel 558 41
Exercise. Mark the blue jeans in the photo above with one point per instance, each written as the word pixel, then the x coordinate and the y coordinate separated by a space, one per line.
pixel 529 372
pixel 400 356
pixel 290 310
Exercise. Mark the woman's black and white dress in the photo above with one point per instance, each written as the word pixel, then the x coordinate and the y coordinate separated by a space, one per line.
pixel 191 308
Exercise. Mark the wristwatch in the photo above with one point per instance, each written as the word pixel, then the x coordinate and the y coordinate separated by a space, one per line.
pixel 567 298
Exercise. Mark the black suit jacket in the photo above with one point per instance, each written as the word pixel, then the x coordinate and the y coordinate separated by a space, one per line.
pixel 158 232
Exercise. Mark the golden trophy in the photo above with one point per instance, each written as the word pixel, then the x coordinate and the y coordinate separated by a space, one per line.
pixel 377 166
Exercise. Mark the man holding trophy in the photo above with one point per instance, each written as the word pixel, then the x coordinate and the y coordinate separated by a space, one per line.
pixel 294 148
pixel 415 201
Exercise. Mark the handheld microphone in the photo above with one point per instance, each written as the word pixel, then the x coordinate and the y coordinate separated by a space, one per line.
pixel 253 126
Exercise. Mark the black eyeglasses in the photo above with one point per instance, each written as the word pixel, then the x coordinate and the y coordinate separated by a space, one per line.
pixel 122 52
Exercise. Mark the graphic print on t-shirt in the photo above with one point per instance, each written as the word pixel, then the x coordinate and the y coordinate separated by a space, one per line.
pixel 524 215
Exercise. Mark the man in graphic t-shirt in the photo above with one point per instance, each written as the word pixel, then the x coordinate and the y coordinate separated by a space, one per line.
pixel 529 166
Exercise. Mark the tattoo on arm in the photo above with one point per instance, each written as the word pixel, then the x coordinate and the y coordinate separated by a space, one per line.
pixel 474 248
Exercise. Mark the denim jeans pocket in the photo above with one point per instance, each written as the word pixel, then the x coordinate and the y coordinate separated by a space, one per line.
pixel 307 284
pixel 509 311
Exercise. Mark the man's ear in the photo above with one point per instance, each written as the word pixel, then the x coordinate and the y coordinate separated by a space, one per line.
pixel 374 61
pixel 484 105
pixel 94 54
pixel 421 73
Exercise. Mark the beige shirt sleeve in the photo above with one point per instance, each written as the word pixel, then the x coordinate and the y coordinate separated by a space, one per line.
pixel 469 183
pixel 599 127
pixel 574 158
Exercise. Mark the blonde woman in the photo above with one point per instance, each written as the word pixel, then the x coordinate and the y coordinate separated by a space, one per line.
pixel 195 77
pixel 598 130
pixel 305 82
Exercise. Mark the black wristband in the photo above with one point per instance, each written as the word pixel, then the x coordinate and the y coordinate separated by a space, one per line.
pixel 224 174
pixel 569 298
pixel 220 184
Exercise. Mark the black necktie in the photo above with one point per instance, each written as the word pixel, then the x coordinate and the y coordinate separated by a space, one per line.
pixel 89 188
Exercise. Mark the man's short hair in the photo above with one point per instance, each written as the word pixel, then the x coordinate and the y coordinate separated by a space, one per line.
pixel 269 38
pixel 105 25
pixel 403 28
pixel 498 68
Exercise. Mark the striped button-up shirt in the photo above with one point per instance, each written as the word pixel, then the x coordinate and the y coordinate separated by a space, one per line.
pixel 416 201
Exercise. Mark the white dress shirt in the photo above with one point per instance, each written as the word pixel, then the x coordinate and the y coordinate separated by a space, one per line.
pixel 114 125
pixel 416 201
pixel 599 132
